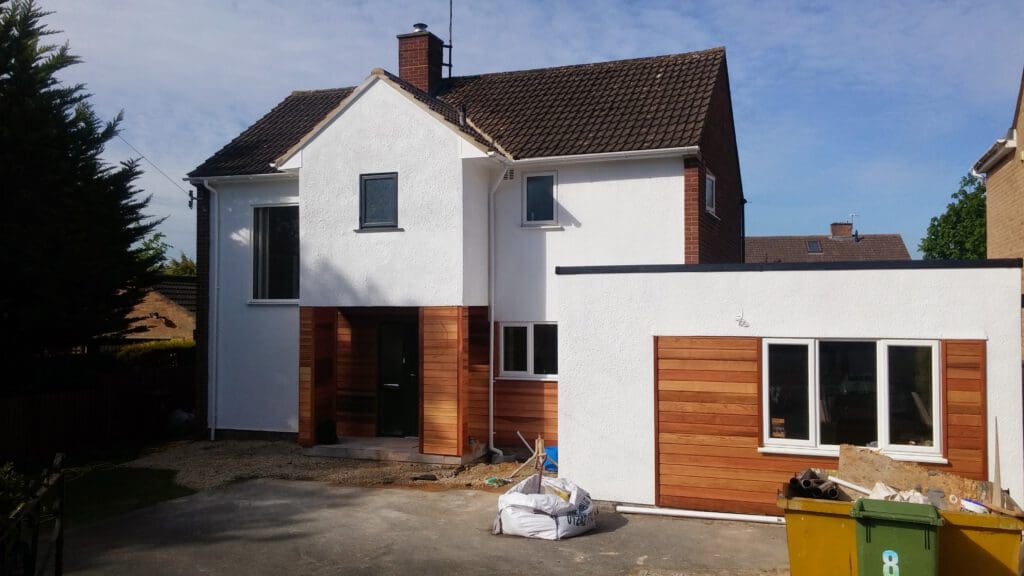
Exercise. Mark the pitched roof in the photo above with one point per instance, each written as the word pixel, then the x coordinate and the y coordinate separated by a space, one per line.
pixel 867 247
pixel 252 151
pixel 179 289
pixel 624 105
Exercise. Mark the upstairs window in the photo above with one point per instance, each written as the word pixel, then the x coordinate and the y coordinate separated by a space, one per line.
pixel 709 192
pixel 822 393
pixel 539 199
pixel 378 200
pixel 275 253
pixel 529 350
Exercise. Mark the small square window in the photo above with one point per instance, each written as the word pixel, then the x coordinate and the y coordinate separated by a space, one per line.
pixel 709 192
pixel 539 199
pixel 529 350
pixel 814 246
pixel 378 200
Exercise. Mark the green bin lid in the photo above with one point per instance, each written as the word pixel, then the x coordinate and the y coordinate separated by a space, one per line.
pixel 896 512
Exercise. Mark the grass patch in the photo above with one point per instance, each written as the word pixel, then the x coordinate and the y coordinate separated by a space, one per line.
pixel 104 492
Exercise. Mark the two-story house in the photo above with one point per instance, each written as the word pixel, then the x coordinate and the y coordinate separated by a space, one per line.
pixel 560 252
pixel 369 250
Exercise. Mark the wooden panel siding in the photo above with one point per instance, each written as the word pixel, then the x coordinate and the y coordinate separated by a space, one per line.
pixel 708 424
pixel 442 380
pixel 476 375
pixel 316 374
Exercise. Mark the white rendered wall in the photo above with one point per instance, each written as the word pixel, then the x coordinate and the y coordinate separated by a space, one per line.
pixel 257 345
pixel 477 176
pixel 617 212
pixel 382 131
pixel 606 330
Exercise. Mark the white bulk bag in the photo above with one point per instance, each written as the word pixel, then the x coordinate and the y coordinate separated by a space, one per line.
pixel 538 512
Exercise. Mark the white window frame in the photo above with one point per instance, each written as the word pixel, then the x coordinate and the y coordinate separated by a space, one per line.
pixel 812 446
pixel 527 223
pixel 251 299
pixel 518 375
pixel 710 207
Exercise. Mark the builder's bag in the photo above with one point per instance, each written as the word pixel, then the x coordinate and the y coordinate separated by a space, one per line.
pixel 547 508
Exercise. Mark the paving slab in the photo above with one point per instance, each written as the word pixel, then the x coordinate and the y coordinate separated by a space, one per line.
pixel 290 527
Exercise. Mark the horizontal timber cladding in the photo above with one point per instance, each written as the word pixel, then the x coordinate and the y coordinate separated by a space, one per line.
pixel 476 372
pixel 442 379
pixel 316 374
pixel 708 423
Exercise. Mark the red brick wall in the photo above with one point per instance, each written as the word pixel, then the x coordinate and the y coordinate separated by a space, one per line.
pixel 715 238
pixel 419 60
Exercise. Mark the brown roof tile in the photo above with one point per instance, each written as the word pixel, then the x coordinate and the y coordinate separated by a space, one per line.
pixel 867 247
pixel 639 104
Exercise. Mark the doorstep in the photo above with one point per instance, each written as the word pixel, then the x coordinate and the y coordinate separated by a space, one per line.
pixel 389 450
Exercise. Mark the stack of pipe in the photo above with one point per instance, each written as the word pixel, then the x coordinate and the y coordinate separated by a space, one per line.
pixel 807 483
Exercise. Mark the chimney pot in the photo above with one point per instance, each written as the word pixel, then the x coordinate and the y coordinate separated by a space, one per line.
pixel 842 229
pixel 419 27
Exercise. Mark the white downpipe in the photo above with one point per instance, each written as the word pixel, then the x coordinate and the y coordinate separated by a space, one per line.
pixel 490 305
pixel 701 514
pixel 213 369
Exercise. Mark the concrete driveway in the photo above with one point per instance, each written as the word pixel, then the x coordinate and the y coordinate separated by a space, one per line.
pixel 287 527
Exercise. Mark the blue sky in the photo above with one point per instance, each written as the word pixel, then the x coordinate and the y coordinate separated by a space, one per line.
pixel 876 109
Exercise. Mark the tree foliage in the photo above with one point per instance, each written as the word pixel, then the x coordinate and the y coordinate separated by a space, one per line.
pixel 181 266
pixel 959 233
pixel 71 225
pixel 154 247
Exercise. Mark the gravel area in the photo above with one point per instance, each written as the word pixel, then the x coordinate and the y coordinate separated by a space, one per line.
pixel 202 465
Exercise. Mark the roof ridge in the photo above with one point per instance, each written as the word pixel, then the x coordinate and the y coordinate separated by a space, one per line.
pixel 321 90
pixel 590 64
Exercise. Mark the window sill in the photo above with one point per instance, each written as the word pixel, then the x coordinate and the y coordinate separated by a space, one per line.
pixel 290 302
pixel 713 215
pixel 548 226
pixel 530 377
pixel 381 229
pixel 834 453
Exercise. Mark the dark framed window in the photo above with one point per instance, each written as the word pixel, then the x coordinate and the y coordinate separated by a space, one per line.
pixel 529 349
pixel 378 200
pixel 539 199
pixel 275 252
pixel 814 246
pixel 709 192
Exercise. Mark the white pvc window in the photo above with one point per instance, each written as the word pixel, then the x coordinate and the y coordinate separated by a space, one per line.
pixel 529 350
pixel 818 394
pixel 709 192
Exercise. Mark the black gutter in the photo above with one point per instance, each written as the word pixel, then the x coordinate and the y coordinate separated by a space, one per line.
pixel 793 266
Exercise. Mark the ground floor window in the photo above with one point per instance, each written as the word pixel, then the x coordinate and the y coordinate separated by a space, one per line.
pixel 818 394
pixel 275 253
pixel 529 349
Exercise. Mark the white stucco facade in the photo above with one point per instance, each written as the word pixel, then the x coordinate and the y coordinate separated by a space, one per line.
pixel 611 212
pixel 606 329
pixel 382 130
pixel 254 348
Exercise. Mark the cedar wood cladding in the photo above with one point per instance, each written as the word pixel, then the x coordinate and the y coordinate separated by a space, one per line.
pixel 708 423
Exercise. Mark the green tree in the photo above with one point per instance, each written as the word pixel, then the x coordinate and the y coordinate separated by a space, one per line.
pixel 959 233
pixel 182 266
pixel 72 225
pixel 154 247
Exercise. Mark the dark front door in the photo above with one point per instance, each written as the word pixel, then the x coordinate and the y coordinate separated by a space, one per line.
pixel 398 363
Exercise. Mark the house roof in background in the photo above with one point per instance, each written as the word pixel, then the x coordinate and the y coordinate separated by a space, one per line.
pixel 867 247
pixel 625 105
pixel 181 290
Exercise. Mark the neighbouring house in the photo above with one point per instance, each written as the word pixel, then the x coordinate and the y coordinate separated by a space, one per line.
pixel 559 251
pixel 1003 167
pixel 167 312
pixel 842 245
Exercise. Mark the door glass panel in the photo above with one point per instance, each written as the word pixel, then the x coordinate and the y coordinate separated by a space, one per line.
pixel 849 383
pixel 787 391
pixel 910 395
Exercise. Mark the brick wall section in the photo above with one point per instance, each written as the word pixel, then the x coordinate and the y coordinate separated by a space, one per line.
pixel 202 327
pixel 419 60
pixel 714 238
pixel 1005 206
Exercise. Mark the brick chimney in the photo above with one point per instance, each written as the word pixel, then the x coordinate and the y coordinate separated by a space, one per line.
pixel 420 56
pixel 842 229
